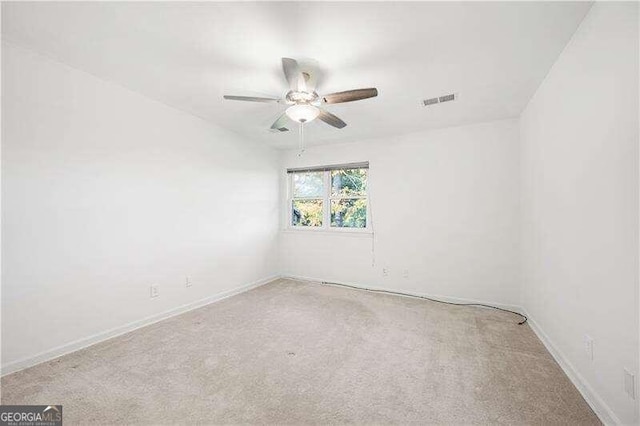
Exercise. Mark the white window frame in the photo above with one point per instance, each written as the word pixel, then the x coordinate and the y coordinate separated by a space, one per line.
pixel 326 207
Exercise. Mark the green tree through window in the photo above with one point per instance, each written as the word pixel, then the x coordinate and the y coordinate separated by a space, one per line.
pixel 348 198
pixel 308 199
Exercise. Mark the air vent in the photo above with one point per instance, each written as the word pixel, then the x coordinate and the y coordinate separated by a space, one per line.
pixel 440 99
pixel 447 98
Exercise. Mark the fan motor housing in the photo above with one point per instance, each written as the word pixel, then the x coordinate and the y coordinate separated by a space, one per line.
pixel 296 97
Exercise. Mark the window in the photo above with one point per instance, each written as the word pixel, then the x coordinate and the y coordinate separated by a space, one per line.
pixel 332 197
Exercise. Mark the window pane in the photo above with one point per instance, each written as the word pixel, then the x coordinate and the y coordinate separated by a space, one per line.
pixel 306 213
pixel 349 213
pixel 349 182
pixel 308 184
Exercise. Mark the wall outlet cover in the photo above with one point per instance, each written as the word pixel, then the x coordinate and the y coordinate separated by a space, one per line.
pixel 630 383
pixel 588 346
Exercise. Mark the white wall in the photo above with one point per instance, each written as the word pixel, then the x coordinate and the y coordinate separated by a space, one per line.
pixel 445 206
pixel 106 192
pixel 580 204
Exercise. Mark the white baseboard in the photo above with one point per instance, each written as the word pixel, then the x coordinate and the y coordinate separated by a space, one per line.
pixel 515 308
pixel 48 355
pixel 602 410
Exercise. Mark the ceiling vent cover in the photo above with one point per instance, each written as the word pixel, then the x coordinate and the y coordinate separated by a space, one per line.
pixel 440 99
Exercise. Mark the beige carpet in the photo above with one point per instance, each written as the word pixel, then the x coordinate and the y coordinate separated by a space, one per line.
pixel 291 352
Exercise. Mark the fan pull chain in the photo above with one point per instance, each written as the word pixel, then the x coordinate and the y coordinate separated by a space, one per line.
pixel 301 140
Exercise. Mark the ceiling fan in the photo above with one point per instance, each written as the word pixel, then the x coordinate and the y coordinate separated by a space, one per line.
pixel 304 102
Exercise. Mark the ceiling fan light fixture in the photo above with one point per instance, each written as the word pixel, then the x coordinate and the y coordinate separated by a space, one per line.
pixel 302 113
pixel 304 102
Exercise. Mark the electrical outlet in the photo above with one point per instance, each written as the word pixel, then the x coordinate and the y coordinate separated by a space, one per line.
pixel 588 346
pixel 630 384
pixel 188 282
pixel 405 273
pixel 154 291
pixel 385 272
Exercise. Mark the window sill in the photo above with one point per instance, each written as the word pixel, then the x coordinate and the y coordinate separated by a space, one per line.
pixel 365 233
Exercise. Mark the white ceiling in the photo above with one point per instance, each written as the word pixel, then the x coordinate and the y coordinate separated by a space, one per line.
pixel 187 55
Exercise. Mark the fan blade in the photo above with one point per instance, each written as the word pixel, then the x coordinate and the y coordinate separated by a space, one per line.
pixel 350 95
pixel 250 99
pixel 312 74
pixel 294 75
pixel 280 124
pixel 331 119
pixel 311 80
